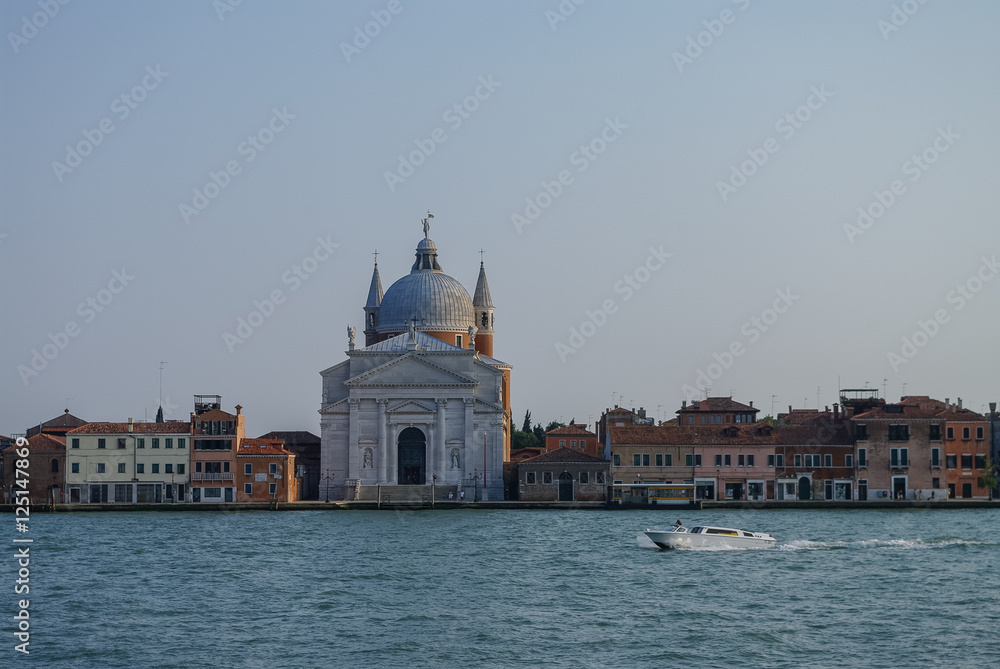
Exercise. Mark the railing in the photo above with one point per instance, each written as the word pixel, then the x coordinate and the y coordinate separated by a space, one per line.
pixel 201 476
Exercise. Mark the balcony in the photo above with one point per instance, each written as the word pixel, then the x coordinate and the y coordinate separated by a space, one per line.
pixel 202 476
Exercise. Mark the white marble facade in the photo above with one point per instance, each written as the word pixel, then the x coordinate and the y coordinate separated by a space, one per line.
pixel 408 408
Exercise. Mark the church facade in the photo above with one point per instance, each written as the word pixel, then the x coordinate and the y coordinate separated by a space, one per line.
pixel 423 401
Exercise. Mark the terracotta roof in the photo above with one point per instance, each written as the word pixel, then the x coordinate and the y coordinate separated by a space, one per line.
pixel 571 429
pixel 171 427
pixel 962 416
pixel 47 442
pixel 919 407
pixel 215 414
pixel 750 434
pixel 262 447
pixel 619 410
pixel 715 404
pixel 565 455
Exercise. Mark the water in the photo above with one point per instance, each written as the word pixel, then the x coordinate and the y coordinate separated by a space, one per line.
pixel 509 589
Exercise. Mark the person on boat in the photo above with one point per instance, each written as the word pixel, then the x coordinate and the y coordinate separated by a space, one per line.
pixel 678 523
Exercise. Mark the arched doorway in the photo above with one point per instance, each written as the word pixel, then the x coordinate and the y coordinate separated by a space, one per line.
pixel 565 487
pixel 412 448
pixel 805 488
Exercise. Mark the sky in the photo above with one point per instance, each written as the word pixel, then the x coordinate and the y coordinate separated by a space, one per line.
pixel 762 200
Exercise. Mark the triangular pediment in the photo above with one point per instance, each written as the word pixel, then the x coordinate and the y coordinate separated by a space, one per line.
pixel 409 370
pixel 412 406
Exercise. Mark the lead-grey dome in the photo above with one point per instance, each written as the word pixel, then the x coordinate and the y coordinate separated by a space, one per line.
pixel 428 296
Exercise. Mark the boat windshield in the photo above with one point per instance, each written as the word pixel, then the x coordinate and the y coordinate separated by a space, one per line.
pixel 696 530
pixel 680 528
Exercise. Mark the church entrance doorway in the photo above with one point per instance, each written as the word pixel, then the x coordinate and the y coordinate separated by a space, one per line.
pixel 565 487
pixel 412 446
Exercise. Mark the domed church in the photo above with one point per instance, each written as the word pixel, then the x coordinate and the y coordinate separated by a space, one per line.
pixel 424 404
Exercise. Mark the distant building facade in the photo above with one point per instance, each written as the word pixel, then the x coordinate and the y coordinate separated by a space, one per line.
pixel 265 472
pixel 563 475
pixel 573 437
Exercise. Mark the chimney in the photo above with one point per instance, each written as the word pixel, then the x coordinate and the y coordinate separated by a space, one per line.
pixel 751 404
pixel 993 407
pixel 947 404
pixel 238 409
pixel 129 424
pixel 959 402
pixel 684 404
pixel 642 412
pixel 789 408
pixel 836 411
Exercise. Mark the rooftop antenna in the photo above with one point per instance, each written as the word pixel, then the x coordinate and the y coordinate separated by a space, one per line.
pixel 67 404
pixel 885 387
pixel 817 397
pixel 904 390
pixel 773 399
pixel 159 398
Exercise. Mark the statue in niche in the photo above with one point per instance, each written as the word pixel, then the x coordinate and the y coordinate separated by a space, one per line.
pixel 368 459
pixel 454 458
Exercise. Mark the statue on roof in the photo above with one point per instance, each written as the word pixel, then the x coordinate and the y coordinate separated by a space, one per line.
pixel 351 333
pixel 427 224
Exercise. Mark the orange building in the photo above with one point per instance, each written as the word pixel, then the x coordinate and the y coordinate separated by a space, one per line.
pixel 265 472
pixel 966 448
pixel 573 437
pixel 215 437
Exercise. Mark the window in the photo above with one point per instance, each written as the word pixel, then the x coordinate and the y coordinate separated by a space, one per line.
pixel 702 420
pixel 750 460
pixel 100 443
pixel 951 433
pixel 584 477
pixel 617 460
pixel 75 467
pixel 729 460
pixel 861 433
pixel 54 466
pixel 898 457
pixel 811 460
pixel 951 461
pixel 979 433
pixel 140 443
pixel 572 443
pixel 827 460
pixel 458 341
pixel 668 459
pixel 966 460
pixel 862 457
pixel 168 442
pixel 689 459
pixel 121 442
pixel 180 468
pixel 100 467
pixel 225 467
pixel 965 433
pixel 156 442
pixel 980 461
pixel 770 460
pixel 529 477
pixel 121 467
pixel 140 468
pixel 76 443
pixel 935 432
pixel 156 468
pixel 272 488
pixel 547 478
pixel 935 483
pixel 181 442
pixel 272 469
pixel 248 488
pixel 636 460
pixel 899 432
pixel 600 478
pixel 741 460
pixel 645 459
pixel 562 443
pixel 659 459
pixel 697 459
pixel 798 459
pixel 718 460
pixel 690 420
pixel 248 469
pixel 935 457
pixel 168 468
pixel 849 460
pixel 779 459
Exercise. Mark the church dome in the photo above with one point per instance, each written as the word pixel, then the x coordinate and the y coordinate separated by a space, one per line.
pixel 428 296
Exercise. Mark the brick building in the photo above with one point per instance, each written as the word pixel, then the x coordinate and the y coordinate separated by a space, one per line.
pixel 573 437
pixel 265 472
pixel 563 475
pixel 46 469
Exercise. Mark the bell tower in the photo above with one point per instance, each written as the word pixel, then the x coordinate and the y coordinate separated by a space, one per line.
pixel 372 306
pixel 482 304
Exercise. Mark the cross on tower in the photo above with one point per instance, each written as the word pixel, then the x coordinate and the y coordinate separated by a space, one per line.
pixel 481 252
pixel 376 256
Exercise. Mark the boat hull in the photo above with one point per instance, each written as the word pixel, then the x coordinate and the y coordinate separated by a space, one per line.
pixel 667 540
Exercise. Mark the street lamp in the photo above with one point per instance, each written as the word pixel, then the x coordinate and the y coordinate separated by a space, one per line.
pixel 327 477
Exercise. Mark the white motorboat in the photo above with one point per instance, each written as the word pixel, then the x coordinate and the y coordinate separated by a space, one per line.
pixel 709 537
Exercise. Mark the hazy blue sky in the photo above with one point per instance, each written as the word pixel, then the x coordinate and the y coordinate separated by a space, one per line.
pixel 834 99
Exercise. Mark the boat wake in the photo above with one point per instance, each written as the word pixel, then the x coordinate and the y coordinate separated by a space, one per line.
pixel 889 544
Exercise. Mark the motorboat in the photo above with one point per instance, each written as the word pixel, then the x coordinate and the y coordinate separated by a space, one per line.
pixel 706 536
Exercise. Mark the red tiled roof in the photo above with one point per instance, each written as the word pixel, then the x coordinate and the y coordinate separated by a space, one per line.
pixel 262 447
pixel 564 455
pixel 571 429
pixel 753 433
pixel 715 404
pixel 47 442
pixel 215 414
pixel 956 415
pixel 171 427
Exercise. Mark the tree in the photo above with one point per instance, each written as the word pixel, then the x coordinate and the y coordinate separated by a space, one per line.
pixel 572 421
pixel 988 476
pixel 527 422
pixel 539 433
pixel 553 425
pixel 521 439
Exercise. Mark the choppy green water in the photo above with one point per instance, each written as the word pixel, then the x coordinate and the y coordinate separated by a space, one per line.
pixel 509 589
